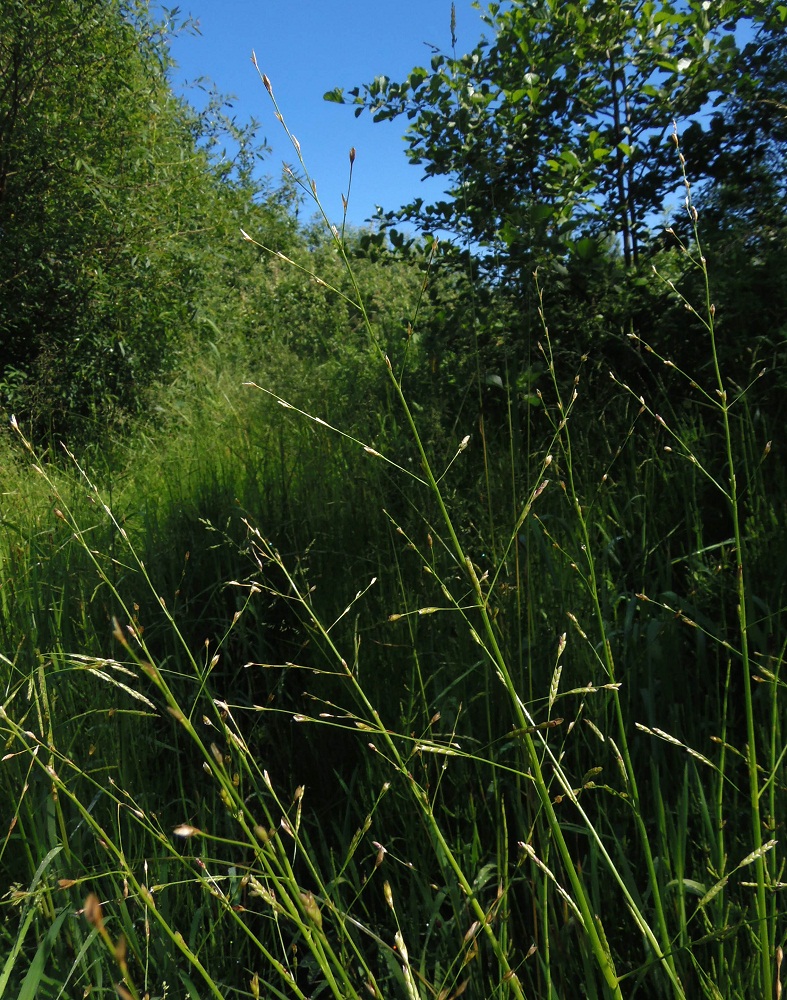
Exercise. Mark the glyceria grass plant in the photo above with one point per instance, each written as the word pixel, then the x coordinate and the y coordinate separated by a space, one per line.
pixel 491 821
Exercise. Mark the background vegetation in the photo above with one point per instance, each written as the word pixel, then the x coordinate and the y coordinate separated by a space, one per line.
pixel 359 634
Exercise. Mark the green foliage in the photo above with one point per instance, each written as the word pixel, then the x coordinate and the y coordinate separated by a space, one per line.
pixel 445 664
pixel 118 214
pixel 228 633
pixel 552 138
pixel 555 126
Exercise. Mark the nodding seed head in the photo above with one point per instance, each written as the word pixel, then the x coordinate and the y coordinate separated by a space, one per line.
pixel 93 911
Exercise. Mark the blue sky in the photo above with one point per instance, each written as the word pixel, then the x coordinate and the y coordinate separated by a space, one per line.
pixel 306 48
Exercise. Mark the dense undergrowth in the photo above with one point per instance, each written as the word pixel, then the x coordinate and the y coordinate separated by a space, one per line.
pixel 409 632
pixel 301 700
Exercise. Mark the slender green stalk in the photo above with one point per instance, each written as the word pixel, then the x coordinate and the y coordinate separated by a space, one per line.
pixel 724 404
pixel 592 585
pixel 601 953
pixel 763 929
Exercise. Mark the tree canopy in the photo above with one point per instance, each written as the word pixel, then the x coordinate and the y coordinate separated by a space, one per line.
pixel 551 133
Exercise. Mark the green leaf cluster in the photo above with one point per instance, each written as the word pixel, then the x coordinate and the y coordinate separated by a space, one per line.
pixel 556 126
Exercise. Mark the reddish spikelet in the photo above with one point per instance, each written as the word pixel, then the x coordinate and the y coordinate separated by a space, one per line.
pixel 93 912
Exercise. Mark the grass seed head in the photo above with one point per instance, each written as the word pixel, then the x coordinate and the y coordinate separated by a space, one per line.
pixel 312 909
pixel 401 947
pixel 186 831
pixel 94 914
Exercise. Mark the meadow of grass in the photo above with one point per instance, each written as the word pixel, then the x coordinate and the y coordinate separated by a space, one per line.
pixel 316 691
